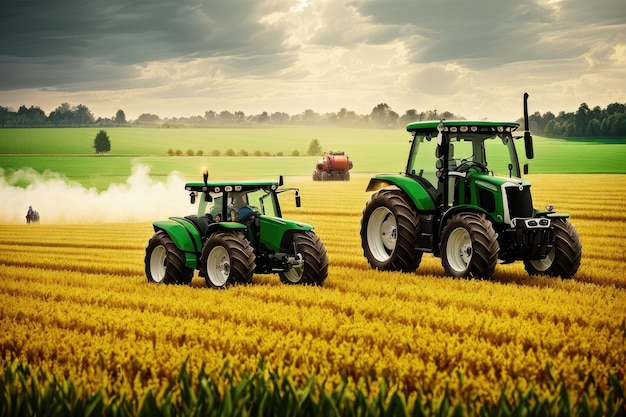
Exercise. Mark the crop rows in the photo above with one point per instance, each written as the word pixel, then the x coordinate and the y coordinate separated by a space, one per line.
pixel 74 300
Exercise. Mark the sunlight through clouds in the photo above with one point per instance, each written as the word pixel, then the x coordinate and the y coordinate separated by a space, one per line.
pixel 181 59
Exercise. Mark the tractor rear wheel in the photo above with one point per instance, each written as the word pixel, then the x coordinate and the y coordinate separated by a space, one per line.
pixel 469 246
pixel 389 230
pixel 165 263
pixel 227 258
pixel 311 267
pixel 564 258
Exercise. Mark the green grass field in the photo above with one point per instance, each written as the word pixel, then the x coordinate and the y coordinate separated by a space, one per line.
pixel 69 152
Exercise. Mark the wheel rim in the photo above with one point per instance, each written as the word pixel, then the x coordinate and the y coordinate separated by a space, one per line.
pixel 297 270
pixel 542 265
pixel 459 249
pixel 218 266
pixel 382 233
pixel 158 264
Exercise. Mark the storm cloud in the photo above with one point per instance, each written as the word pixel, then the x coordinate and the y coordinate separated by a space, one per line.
pixel 186 57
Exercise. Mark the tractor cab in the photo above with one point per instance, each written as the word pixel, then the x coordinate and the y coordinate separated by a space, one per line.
pixel 221 203
pixel 446 156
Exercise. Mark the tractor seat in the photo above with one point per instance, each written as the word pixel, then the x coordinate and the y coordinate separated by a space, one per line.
pixel 202 222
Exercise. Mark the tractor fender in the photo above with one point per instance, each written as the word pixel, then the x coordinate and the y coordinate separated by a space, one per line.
pixel 184 235
pixel 467 208
pixel 416 191
pixel 276 232
pixel 227 226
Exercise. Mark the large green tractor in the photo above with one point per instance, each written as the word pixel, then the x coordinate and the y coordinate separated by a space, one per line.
pixel 237 231
pixel 462 198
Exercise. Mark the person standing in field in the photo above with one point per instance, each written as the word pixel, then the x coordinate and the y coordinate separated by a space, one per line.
pixel 32 216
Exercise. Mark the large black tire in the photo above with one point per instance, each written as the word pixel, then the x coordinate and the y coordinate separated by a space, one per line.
pixel 165 263
pixel 227 259
pixel 390 227
pixel 564 258
pixel 469 246
pixel 312 269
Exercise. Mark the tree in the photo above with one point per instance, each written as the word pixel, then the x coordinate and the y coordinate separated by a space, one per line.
pixel 147 119
pixel 102 143
pixel 594 128
pixel 263 118
pixel 120 117
pixel 383 116
pixel 314 148
pixel 32 116
pixel 82 115
pixel 61 115
pixel 581 120
pixel 279 117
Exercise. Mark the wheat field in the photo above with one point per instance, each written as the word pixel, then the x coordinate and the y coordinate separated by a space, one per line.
pixel 74 301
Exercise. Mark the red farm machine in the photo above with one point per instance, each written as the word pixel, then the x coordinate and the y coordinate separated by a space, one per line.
pixel 334 166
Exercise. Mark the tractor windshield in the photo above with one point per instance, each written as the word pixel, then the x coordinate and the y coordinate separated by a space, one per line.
pixel 495 152
pixel 238 204
pixel 264 201
pixel 211 205
pixel 422 158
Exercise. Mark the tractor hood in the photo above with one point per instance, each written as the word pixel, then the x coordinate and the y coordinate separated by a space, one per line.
pixel 497 182
pixel 274 228
pixel 502 198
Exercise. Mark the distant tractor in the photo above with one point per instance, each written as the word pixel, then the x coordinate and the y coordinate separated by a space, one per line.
pixel 237 230
pixel 451 202
pixel 334 166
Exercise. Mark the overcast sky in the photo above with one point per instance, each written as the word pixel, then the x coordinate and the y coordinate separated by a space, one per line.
pixel 179 58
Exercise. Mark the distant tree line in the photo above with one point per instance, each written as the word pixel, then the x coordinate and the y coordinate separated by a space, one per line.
pixel 585 122
pixel 80 116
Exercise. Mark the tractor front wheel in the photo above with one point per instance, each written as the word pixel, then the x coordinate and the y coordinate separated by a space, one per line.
pixel 469 246
pixel 227 258
pixel 564 258
pixel 165 263
pixel 389 230
pixel 310 260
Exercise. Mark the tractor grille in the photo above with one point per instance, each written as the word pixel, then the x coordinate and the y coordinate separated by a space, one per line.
pixel 520 202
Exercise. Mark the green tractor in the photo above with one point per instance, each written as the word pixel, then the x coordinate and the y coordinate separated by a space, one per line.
pixel 462 198
pixel 237 231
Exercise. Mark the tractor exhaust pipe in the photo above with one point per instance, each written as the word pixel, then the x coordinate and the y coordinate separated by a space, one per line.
pixel 528 139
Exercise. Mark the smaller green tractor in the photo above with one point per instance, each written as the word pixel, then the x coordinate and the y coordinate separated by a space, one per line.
pixel 238 230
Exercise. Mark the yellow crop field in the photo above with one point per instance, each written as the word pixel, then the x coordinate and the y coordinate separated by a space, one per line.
pixel 74 300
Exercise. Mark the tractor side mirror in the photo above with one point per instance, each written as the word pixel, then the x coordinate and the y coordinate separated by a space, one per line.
pixel 298 202
pixel 192 197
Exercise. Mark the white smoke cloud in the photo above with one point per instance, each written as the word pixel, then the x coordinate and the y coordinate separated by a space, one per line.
pixel 60 200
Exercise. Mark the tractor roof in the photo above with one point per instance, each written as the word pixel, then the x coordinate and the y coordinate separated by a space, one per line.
pixel 480 126
pixel 231 185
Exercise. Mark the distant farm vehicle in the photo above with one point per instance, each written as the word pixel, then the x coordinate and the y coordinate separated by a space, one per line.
pixel 334 166
pixel 450 203
pixel 238 230
pixel 32 216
